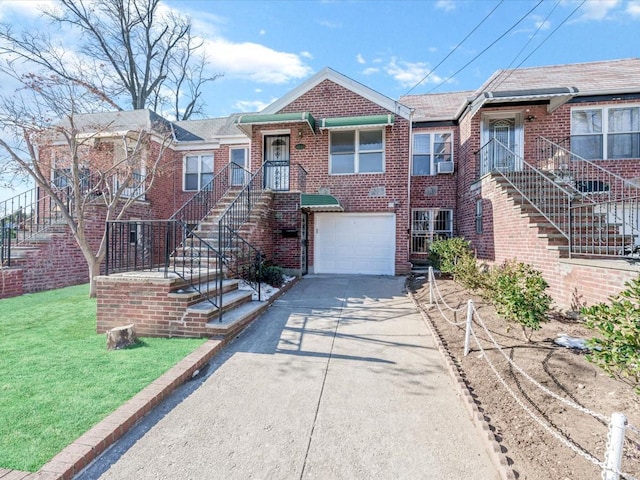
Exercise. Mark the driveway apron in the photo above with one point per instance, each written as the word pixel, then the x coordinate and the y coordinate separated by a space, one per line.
pixel 339 379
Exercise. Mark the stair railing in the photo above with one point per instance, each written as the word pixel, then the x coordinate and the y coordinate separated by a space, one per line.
pixel 614 200
pixel 166 247
pixel 549 198
pixel 200 204
pixel 238 256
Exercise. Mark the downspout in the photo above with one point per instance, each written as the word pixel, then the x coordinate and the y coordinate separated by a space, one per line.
pixel 410 163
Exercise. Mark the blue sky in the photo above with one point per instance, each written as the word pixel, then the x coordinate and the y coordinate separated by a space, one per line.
pixel 266 48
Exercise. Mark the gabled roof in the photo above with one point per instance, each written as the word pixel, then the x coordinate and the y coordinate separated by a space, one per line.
pixel 210 129
pixel 437 106
pixel 346 82
pixel 592 78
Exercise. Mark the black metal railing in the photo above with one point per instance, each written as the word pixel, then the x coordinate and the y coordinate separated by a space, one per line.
pixel 201 203
pixel 167 247
pixel 6 237
pixel 237 254
pixel 277 175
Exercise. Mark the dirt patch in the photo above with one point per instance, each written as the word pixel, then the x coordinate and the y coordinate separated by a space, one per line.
pixel 533 452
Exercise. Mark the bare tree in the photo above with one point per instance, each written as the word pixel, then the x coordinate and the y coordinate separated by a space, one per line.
pixel 53 135
pixel 136 53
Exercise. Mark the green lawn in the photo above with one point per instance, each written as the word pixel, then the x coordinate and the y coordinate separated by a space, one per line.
pixel 57 378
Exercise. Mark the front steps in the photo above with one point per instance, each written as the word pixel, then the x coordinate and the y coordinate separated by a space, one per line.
pixel 592 234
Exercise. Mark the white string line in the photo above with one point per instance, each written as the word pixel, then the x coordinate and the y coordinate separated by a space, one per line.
pixel 457 324
pixel 541 387
pixel 543 424
pixel 433 278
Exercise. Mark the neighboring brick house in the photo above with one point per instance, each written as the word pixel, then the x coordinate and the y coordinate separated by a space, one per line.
pixel 361 183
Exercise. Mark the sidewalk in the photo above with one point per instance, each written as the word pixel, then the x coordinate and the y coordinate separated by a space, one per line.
pixel 339 379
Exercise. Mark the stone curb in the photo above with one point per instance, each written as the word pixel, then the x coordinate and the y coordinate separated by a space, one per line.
pixel 492 445
pixel 77 456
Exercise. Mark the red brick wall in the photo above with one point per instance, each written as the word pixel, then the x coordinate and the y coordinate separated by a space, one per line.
pixel 353 191
pixel 11 284
pixel 287 215
pixel 145 303
pixel 507 235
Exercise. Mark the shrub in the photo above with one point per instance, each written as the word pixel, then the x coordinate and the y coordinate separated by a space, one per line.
pixel 444 254
pixel 617 349
pixel 454 256
pixel 272 275
pixel 518 293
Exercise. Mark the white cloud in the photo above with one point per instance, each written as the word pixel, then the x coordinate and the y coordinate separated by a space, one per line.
pixel 542 25
pixel 360 59
pixel 633 8
pixel 306 54
pixel 263 32
pixel 409 74
pixel 328 24
pixel 597 9
pixel 26 8
pixel 255 62
pixel 370 70
pixel 446 5
pixel 250 105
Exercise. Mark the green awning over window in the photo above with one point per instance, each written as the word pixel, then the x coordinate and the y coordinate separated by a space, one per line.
pixel 313 202
pixel 351 122
pixel 246 121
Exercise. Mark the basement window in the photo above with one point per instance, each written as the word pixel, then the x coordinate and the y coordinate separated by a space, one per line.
pixel 429 224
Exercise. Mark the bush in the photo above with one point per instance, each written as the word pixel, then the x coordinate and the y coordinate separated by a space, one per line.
pixel 444 254
pixel 518 293
pixel 272 275
pixel 454 256
pixel 617 350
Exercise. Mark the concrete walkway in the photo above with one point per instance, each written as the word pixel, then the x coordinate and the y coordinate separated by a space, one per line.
pixel 339 379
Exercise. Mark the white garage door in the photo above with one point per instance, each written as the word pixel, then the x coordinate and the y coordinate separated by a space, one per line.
pixel 355 243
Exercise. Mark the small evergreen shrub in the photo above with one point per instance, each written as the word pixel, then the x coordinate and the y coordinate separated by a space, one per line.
pixel 617 348
pixel 272 275
pixel 518 292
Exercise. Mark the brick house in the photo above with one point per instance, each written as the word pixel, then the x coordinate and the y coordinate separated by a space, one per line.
pixel 540 164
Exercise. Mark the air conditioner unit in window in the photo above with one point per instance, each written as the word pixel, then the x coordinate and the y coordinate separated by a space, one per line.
pixel 445 167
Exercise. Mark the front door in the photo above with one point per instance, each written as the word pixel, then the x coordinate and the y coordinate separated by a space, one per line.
pixel 276 162
pixel 239 167
pixel 505 154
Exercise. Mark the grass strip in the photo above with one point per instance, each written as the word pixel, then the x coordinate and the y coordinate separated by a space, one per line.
pixel 57 378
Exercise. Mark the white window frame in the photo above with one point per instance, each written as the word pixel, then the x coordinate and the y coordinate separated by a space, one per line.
pixel 433 165
pixel 238 177
pixel 605 133
pixel 356 152
pixel 200 174
pixel 421 237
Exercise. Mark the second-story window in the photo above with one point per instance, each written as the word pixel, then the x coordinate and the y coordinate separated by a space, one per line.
pixel 430 150
pixel 198 171
pixel 356 151
pixel 606 133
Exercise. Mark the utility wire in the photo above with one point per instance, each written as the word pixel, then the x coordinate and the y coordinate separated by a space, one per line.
pixel 487 47
pixel 455 48
pixel 503 72
pixel 541 43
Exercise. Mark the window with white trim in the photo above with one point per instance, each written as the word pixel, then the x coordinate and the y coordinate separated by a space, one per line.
pixel 198 171
pixel 429 149
pixel 606 132
pixel 429 224
pixel 356 151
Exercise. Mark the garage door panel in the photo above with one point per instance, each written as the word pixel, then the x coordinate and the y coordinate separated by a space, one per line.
pixel 355 243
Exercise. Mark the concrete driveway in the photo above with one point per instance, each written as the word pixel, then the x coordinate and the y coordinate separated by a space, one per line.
pixel 339 379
